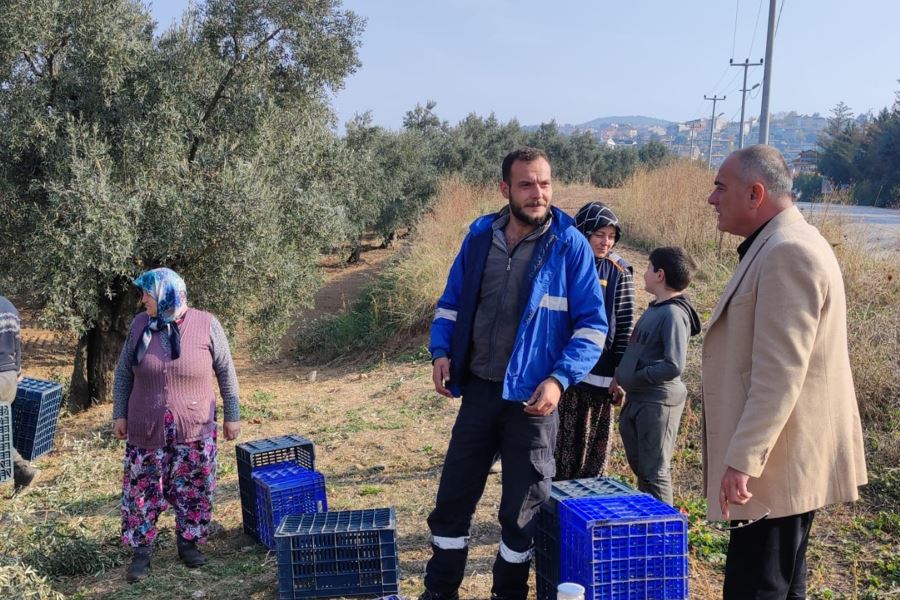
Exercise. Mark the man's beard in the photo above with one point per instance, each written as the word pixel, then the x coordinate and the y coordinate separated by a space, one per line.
pixel 525 218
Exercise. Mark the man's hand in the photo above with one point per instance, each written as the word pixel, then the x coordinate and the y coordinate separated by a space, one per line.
pixel 440 373
pixel 545 398
pixel 120 428
pixel 733 490
pixel 618 393
pixel 232 430
pixel 20 377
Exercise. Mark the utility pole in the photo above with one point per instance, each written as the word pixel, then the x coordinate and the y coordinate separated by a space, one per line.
pixel 746 64
pixel 767 78
pixel 692 141
pixel 712 126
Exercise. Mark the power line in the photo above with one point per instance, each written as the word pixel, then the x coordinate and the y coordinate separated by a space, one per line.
pixel 715 86
pixel 755 28
pixel 737 8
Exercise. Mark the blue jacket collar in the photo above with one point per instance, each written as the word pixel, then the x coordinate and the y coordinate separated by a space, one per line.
pixel 561 221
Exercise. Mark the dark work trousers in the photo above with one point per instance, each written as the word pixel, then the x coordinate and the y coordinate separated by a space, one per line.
pixel 767 560
pixel 486 424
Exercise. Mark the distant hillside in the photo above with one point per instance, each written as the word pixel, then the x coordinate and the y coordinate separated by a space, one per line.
pixel 634 121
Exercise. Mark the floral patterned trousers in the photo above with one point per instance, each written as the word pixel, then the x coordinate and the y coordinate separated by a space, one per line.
pixel 180 475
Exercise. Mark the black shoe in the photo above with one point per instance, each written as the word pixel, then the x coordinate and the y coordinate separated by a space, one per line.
pixel 190 554
pixel 23 476
pixel 139 568
pixel 429 595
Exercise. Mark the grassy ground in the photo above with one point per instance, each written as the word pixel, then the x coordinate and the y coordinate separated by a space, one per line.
pixel 380 433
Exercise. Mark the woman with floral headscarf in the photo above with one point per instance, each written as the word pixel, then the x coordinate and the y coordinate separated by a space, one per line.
pixel 165 407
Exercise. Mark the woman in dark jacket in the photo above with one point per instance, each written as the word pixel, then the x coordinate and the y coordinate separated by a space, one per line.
pixel 585 410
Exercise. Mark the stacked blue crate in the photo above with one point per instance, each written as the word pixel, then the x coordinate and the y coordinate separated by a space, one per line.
pixel 340 553
pixel 6 445
pixel 291 449
pixel 35 413
pixel 546 539
pixel 285 489
pixel 624 547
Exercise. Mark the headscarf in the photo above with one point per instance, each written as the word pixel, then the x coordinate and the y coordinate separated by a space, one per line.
pixel 594 216
pixel 168 289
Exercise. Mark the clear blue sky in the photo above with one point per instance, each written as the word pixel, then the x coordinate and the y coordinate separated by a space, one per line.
pixel 575 60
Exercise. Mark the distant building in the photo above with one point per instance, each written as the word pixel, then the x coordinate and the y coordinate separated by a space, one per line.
pixel 807 161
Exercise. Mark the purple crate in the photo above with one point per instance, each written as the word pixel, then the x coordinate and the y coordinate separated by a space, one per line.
pixel 35 413
pixel 283 490
pixel 628 547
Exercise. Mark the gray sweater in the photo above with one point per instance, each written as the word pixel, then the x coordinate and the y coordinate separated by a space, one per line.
pixel 650 370
pixel 10 337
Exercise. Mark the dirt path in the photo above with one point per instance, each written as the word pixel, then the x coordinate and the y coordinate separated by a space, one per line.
pixel 342 284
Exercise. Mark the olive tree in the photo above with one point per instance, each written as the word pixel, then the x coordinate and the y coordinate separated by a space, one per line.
pixel 208 149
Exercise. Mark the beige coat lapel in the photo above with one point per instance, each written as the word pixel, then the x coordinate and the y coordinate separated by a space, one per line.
pixel 783 219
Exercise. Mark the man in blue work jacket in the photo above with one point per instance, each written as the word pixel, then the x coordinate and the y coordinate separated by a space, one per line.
pixel 521 319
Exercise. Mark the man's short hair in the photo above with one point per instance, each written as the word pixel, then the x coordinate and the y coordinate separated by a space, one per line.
pixel 766 165
pixel 677 266
pixel 525 155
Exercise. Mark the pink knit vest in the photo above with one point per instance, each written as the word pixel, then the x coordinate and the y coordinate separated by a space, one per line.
pixel 184 386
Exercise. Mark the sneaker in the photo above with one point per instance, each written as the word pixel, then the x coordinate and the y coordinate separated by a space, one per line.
pixel 190 554
pixel 139 569
pixel 429 595
pixel 24 476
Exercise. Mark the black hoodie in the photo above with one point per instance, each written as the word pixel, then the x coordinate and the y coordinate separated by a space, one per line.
pixel 650 370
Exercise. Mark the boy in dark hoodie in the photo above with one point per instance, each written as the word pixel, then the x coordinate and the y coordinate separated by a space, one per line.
pixel 650 371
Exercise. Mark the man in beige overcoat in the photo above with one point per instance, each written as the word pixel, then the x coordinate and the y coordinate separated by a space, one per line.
pixel 782 433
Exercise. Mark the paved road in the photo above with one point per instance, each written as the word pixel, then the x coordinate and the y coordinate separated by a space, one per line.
pixel 881 225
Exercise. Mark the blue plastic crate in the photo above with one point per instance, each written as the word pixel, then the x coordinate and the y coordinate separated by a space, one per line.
pixel 625 547
pixel 283 490
pixel 6 445
pixel 293 449
pixel 35 412
pixel 342 553
pixel 546 539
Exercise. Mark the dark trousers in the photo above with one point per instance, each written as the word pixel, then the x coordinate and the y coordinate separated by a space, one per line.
pixel 485 425
pixel 767 560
